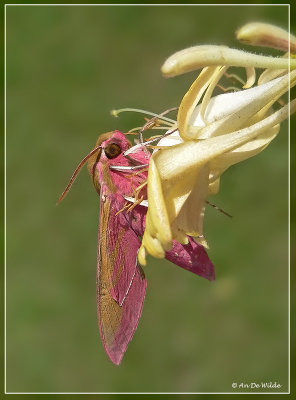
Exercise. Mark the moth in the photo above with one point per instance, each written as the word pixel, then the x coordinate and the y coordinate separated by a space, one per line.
pixel 121 282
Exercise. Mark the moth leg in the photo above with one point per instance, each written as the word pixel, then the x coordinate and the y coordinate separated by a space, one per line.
pixel 137 190
pixel 133 205
pixel 137 199
pixel 125 207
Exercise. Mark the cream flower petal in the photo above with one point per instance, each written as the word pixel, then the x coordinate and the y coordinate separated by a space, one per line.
pixel 193 96
pixel 231 111
pixel 179 159
pixel 251 77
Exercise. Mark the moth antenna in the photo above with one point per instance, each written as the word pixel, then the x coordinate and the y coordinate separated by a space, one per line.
pixel 75 173
pixel 218 208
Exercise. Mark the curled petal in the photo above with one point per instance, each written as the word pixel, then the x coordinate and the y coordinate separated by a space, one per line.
pixel 197 57
pixel 207 96
pixel 251 77
pixel 193 96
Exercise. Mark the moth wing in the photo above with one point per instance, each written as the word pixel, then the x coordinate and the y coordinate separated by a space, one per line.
pixel 121 283
pixel 193 257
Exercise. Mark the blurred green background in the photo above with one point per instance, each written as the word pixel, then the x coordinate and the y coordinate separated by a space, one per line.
pixel 67 67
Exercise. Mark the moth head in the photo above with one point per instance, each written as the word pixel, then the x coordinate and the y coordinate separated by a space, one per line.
pixel 111 145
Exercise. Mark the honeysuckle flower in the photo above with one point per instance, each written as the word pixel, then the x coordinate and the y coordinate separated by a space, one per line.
pixel 212 134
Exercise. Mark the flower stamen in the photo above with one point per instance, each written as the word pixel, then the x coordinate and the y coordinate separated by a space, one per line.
pixel 115 113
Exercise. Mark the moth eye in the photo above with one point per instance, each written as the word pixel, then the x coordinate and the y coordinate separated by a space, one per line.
pixel 112 150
